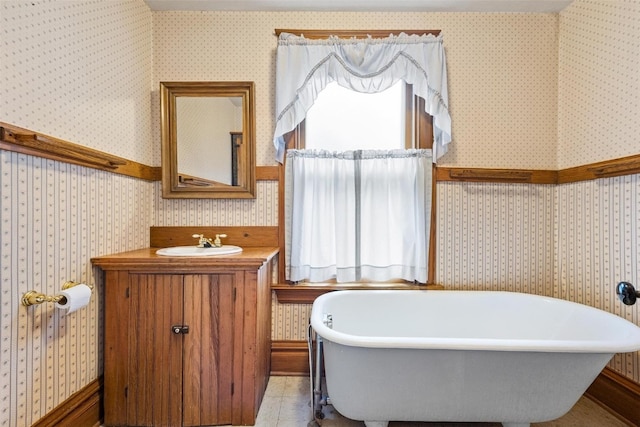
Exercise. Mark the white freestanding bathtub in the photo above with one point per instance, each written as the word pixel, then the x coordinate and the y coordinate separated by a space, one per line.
pixel 462 355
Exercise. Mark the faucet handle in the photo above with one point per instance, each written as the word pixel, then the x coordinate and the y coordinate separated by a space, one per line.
pixel 217 243
pixel 203 242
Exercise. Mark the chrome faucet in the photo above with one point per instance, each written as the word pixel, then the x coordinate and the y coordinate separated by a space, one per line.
pixel 203 242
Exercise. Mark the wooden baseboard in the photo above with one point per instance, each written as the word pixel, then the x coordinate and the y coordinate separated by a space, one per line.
pixel 289 358
pixel 618 395
pixel 82 409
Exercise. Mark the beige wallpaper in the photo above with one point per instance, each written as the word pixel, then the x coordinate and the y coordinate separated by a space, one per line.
pixel 597 246
pixel 496 237
pixel 80 71
pixel 598 222
pixel 261 211
pixel 502 72
pixel 88 71
pixel 599 89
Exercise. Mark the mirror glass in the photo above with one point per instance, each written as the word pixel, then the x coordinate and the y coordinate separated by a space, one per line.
pixel 208 141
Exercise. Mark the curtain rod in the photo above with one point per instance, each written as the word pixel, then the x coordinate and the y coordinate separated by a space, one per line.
pixel 322 34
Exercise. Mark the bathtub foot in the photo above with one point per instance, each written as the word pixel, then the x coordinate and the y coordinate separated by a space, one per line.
pixel 376 423
pixel 516 424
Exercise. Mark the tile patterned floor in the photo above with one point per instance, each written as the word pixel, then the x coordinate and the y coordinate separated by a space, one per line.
pixel 287 404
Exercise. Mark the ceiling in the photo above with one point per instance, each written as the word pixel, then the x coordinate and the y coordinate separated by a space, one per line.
pixel 535 6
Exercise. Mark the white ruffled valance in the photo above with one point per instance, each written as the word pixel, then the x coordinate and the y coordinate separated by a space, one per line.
pixel 304 67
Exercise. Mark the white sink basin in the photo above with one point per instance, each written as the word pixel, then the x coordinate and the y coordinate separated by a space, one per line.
pixel 197 252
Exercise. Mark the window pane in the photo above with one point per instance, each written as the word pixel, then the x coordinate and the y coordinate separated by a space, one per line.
pixel 342 119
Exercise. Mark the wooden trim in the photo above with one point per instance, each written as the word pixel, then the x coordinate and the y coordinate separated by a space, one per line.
pixel 431 263
pixel 14 138
pixel 82 409
pixel 267 173
pixel 618 395
pixel 251 236
pixel 323 34
pixel 629 165
pixel 290 358
pixel 281 224
pixel 523 176
pixel 20 140
pixel 609 168
pixel 306 293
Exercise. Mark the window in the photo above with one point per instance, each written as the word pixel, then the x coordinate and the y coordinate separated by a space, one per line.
pixel 342 119
pixel 361 233
pixel 412 128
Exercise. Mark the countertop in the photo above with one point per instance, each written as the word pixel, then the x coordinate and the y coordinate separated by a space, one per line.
pixel 147 260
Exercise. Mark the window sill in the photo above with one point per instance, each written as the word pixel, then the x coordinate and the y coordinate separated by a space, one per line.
pixel 307 293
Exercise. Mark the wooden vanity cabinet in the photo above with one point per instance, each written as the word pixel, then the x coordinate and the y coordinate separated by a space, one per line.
pixel 186 341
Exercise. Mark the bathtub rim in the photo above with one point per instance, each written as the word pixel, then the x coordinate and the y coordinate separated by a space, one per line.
pixel 627 345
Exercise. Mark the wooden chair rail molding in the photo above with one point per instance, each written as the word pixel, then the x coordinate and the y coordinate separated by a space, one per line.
pixel 13 138
pixel 20 140
pixel 496 175
pixel 607 169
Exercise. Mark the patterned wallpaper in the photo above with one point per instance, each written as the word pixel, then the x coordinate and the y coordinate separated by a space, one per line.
pixel 502 72
pixel 80 71
pixel 496 237
pixel 572 241
pixel 599 89
pixel 261 211
pixel 54 218
pixel 88 71
pixel 597 245
pixel 598 222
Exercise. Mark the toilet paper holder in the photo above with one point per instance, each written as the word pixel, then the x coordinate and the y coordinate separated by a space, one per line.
pixel 34 297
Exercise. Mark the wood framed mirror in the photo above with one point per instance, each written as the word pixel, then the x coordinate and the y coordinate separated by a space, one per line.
pixel 208 140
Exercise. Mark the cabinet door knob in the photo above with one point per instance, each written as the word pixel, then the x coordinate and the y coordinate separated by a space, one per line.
pixel 180 329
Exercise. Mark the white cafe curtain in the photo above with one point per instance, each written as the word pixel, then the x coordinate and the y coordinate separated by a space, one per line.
pixel 304 67
pixel 357 215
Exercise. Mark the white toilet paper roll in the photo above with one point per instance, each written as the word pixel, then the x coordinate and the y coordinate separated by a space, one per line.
pixel 74 298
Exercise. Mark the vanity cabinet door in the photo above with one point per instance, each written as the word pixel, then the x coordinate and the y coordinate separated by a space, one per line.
pixel 169 352
pixel 208 349
pixel 154 390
